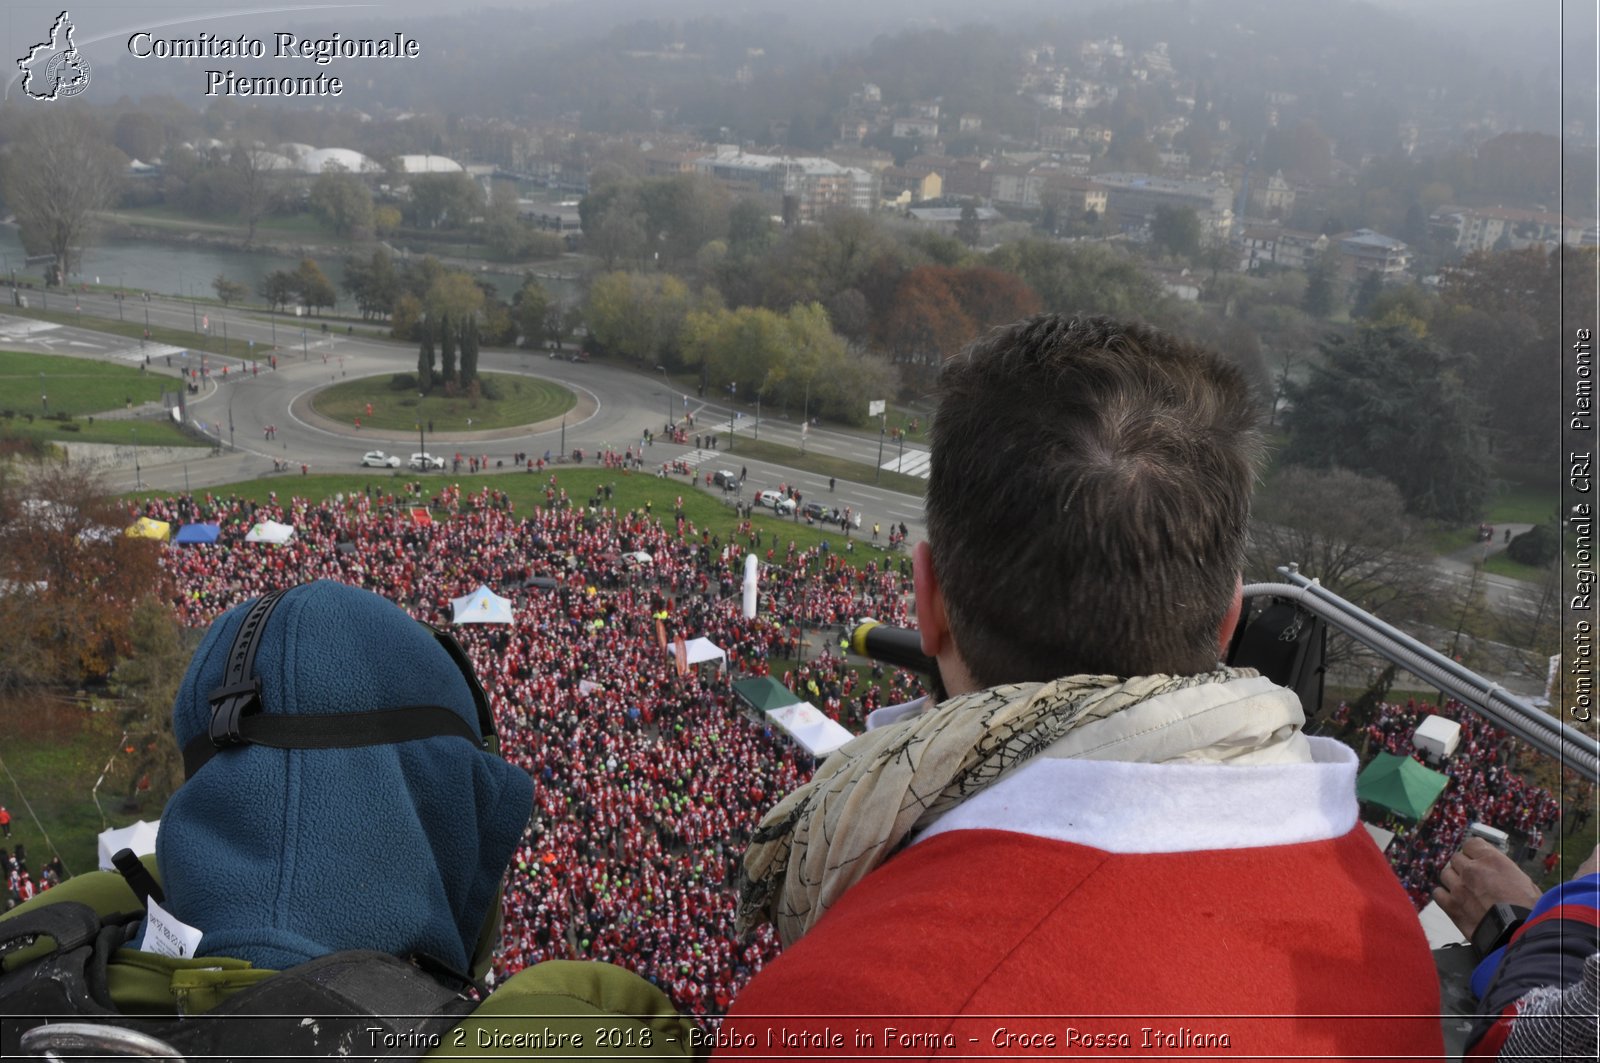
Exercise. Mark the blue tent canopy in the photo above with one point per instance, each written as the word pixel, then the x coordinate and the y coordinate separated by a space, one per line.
pixel 197 533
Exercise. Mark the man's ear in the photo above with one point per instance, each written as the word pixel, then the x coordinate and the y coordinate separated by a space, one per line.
pixel 1230 619
pixel 932 624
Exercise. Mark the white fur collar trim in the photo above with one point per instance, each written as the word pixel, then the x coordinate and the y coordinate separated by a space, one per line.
pixel 1169 808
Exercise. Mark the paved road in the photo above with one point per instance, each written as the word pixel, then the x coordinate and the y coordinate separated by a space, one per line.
pixel 621 404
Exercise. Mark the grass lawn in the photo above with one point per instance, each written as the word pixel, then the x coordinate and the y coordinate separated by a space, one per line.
pixel 81 387
pixel 143 433
pixel 75 385
pixel 1502 565
pixel 133 329
pixel 631 492
pixel 54 751
pixel 1525 502
pixel 745 447
pixel 523 400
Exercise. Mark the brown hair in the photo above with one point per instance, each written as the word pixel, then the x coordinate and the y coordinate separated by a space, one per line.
pixel 1088 499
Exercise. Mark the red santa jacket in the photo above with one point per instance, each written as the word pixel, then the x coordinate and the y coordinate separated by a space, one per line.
pixel 1101 909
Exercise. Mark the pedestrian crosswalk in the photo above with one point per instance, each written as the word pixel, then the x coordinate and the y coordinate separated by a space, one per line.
pixel 912 463
pixel 20 328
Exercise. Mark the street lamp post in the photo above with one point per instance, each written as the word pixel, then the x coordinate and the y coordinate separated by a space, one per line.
pixel 305 355
pixel 231 445
pixel 422 442
pixel 733 391
pixel 562 452
pixel 146 324
pixel 883 426
pixel 44 399
pixel 138 484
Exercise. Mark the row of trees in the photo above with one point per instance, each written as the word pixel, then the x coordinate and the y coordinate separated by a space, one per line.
pixel 456 337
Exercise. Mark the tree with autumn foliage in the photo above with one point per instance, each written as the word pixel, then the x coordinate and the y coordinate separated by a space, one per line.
pixel 937 310
pixel 68 577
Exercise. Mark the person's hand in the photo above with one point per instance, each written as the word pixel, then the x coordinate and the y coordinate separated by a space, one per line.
pixel 1477 878
pixel 1590 866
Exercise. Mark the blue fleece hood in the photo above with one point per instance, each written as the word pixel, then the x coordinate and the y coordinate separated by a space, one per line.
pixel 280 856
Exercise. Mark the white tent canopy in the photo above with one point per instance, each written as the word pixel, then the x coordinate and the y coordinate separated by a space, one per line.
pixel 140 837
pixel 269 531
pixel 817 734
pixel 482 606
pixel 1437 737
pixel 698 650
pixel 703 649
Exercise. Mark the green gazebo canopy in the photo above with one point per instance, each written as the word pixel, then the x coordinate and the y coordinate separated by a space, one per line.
pixel 1401 785
pixel 765 693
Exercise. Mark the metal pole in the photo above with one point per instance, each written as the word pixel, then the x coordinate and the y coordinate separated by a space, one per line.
pixel 758 417
pixel 185 477
pixel 900 462
pixel 194 313
pixel 138 484
pixel 231 445
pixel 422 442
pixel 563 451
pixel 146 323
pixel 883 424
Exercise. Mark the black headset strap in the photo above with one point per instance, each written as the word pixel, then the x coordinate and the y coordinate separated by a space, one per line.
pixel 236 717
pixel 348 730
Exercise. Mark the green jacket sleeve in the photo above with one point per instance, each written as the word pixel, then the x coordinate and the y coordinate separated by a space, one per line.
pixel 567 1009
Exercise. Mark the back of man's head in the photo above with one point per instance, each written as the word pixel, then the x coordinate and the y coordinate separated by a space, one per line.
pixel 1088 499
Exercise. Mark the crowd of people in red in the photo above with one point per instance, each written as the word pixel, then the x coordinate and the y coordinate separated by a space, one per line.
pixel 648 782
pixel 1483 788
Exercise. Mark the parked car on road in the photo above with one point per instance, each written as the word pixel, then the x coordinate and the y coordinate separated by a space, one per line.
pixel 424 462
pixel 725 479
pixel 781 504
pixel 377 459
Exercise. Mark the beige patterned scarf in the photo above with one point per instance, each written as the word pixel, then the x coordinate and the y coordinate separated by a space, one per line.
pixel 878 791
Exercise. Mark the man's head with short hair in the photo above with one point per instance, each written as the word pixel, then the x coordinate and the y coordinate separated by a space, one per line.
pixel 1087 502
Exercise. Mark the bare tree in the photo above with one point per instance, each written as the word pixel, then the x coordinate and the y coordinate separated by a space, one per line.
pixel 58 174
pixel 1348 531
pixel 253 168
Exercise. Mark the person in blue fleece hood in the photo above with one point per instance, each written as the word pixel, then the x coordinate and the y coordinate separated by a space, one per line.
pixel 279 856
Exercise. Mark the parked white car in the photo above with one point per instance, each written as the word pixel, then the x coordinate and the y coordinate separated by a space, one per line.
pixel 424 462
pixel 377 459
pixel 781 504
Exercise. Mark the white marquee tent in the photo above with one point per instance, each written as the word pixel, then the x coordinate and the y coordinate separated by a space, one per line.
pixel 700 650
pixel 269 531
pixel 814 731
pixel 140 837
pixel 482 606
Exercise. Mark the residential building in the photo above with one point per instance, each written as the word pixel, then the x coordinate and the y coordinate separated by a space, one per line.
pixel 905 187
pixel 1365 251
pixel 1262 245
pixel 817 185
pixel 1079 195
pixel 663 162
pixel 1016 186
pixel 1489 228
pixel 1272 197
pixel 1132 200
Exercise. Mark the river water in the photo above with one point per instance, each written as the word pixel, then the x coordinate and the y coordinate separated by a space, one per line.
pixel 174 269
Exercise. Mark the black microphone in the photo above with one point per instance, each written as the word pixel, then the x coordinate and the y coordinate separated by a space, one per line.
pixel 898 646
